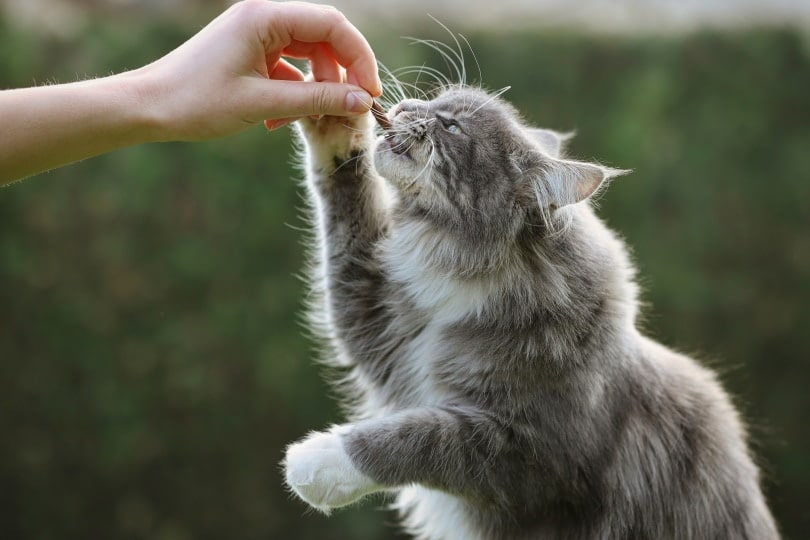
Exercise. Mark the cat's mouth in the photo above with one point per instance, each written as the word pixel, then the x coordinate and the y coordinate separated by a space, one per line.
pixel 397 145
pixel 394 143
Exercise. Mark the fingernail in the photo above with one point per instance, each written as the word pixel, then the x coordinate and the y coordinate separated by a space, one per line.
pixel 275 124
pixel 358 102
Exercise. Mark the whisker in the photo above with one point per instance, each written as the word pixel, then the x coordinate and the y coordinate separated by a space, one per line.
pixel 439 77
pixel 392 85
pixel 417 90
pixel 492 98
pixel 444 50
pixel 475 58
pixel 458 53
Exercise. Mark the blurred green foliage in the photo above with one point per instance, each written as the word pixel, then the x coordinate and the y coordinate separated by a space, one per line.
pixel 152 356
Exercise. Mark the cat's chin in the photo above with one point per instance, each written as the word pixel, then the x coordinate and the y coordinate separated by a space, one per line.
pixel 395 148
pixel 399 168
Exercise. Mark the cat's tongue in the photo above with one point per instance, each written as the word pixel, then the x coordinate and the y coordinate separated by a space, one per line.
pixel 380 116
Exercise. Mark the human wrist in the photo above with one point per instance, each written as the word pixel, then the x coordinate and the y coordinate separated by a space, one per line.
pixel 145 114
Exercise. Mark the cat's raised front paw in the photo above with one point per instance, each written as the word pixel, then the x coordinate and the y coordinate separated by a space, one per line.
pixel 337 138
pixel 319 470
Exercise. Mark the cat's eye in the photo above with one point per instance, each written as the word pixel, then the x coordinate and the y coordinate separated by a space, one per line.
pixel 450 125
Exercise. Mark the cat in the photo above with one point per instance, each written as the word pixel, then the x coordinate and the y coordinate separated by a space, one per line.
pixel 485 319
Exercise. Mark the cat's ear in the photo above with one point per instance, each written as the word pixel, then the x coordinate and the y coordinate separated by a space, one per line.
pixel 551 142
pixel 560 182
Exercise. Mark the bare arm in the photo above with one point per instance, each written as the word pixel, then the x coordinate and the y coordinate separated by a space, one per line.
pixel 229 76
pixel 54 125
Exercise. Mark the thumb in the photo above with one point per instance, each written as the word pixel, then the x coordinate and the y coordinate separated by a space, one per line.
pixel 291 99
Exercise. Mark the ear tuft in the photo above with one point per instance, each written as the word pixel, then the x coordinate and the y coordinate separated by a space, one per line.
pixel 569 182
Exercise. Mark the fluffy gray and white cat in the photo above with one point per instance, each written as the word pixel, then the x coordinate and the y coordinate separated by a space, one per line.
pixel 486 322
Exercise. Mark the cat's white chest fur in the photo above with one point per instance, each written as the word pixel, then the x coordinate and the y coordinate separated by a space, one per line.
pixel 418 362
pixel 409 256
pixel 432 514
pixel 439 300
pixel 419 386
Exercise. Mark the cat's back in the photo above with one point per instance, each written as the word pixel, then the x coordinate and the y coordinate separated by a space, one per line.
pixel 683 456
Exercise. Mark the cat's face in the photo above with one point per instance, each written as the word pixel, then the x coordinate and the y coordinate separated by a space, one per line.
pixel 450 155
pixel 465 160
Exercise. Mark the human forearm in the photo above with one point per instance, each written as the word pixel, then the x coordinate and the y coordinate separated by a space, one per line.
pixel 49 126
pixel 229 76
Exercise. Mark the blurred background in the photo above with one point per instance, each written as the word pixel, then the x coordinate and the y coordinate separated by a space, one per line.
pixel 153 363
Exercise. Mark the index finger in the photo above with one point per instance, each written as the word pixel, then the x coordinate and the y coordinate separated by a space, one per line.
pixel 310 23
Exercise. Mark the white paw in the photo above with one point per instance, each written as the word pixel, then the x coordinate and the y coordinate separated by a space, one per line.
pixel 336 137
pixel 320 472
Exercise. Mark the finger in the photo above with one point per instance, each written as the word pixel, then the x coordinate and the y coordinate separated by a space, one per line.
pixel 312 23
pixel 294 99
pixel 324 65
pixel 284 71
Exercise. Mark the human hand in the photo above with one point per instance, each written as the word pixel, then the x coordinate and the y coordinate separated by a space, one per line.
pixel 233 73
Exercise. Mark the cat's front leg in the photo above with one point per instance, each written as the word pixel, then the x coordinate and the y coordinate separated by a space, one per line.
pixel 347 192
pixel 451 449
pixel 351 216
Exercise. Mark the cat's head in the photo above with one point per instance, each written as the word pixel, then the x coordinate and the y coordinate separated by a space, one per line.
pixel 465 160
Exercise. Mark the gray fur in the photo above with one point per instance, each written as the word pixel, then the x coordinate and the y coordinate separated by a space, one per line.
pixel 486 322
